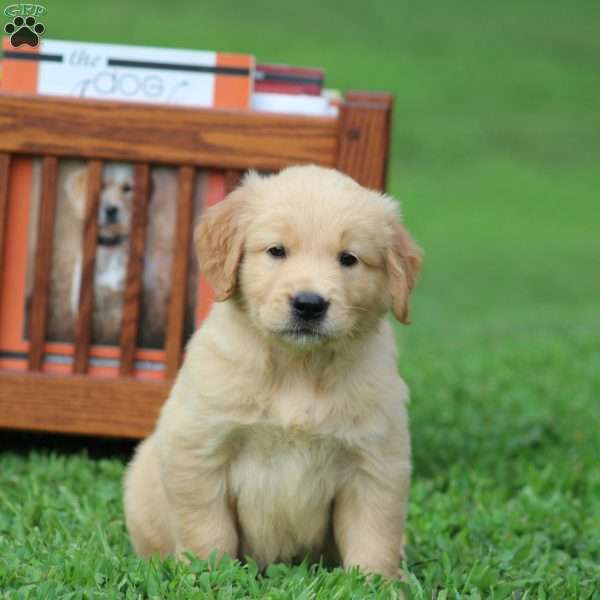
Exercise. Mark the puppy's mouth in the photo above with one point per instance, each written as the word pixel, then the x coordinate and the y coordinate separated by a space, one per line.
pixel 303 334
pixel 111 234
pixel 111 240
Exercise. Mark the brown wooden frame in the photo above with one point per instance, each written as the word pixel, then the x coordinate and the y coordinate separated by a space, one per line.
pixel 356 142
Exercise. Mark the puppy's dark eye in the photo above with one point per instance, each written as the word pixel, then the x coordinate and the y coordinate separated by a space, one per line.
pixel 347 259
pixel 127 187
pixel 277 251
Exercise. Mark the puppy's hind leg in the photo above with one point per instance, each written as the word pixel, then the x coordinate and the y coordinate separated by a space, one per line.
pixel 145 503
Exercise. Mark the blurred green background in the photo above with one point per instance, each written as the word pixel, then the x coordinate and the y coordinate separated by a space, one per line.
pixel 496 162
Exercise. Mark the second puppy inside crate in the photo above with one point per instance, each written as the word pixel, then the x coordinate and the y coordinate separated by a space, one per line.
pixel 115 209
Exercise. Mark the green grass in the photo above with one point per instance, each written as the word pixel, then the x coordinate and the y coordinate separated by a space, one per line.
pixel 495 158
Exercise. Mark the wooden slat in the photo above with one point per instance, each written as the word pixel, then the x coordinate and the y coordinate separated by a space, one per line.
pixel 121 407
pixel 43 264
pixel 386 101
pixel 181 259
pixel 4 177
pixel 83 326
pixel 163 134
pixel 232 179
pixel 364 142
pixel 135 267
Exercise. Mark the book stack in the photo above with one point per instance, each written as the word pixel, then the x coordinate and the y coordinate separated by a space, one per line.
pixel 201 79
pixel 162 76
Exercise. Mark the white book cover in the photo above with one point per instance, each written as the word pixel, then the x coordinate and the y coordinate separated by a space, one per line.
pixel 132 73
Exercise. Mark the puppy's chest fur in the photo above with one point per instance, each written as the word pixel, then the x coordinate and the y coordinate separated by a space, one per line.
pixel 283 481
pixel 291 458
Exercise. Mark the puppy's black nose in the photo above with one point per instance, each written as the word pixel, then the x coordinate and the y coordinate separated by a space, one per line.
pixel 309 306
pixel 111 213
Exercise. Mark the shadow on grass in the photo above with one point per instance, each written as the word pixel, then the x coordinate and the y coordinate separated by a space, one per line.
pixel 24 442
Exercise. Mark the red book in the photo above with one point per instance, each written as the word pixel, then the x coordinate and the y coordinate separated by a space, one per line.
pixel 284 79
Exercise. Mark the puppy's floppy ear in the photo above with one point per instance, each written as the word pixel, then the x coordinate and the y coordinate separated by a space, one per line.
pixel 76 190
pixel 404 260
pixel 218 239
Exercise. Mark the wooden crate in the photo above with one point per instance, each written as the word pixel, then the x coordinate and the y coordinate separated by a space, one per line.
pixel 355 142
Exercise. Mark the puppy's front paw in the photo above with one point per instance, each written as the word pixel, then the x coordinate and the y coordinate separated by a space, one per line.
pixel 372 568
pixel 391 576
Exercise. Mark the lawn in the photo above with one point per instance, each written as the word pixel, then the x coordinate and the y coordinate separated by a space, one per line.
pixel 496 156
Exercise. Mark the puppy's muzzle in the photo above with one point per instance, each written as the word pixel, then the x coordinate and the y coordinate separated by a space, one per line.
pixel 308 307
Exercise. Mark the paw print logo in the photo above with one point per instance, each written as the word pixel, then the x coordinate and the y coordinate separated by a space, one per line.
pixel 24 31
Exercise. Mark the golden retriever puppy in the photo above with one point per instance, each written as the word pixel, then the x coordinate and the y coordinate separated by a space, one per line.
pixel 114 222
pixel 285 434
pixel 115 213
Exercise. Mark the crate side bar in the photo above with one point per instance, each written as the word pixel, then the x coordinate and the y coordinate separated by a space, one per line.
pixel 181 264
pixel 385 100
pixel 4 178
pixel 135 267
pixel 83 325
pixel 43 264
pixel 364 141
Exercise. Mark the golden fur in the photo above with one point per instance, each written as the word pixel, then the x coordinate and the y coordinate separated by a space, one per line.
pixel 275 443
